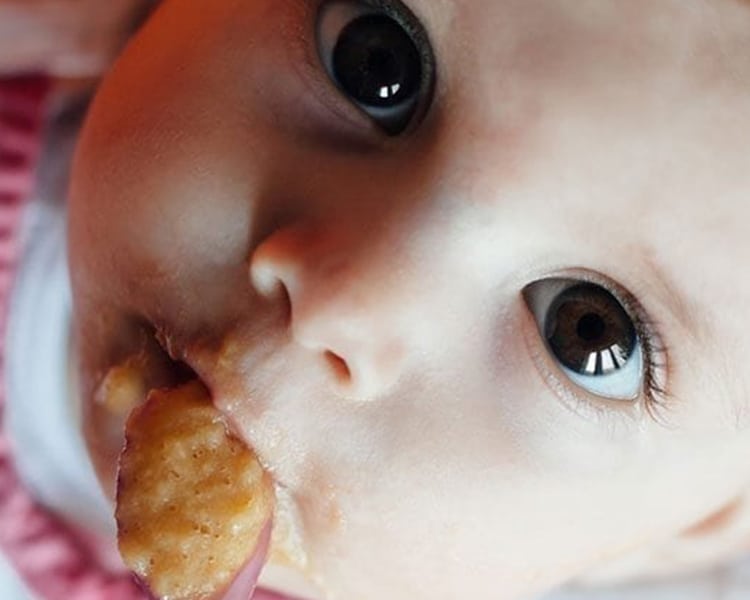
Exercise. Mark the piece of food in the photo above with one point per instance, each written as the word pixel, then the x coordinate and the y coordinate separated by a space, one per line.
pixel 194 505
pixel 123 388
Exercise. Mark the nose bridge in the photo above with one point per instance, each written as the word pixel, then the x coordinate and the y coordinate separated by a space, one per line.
pixel 338 309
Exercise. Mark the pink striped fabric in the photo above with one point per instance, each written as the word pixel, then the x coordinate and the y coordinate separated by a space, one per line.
pixel 54 560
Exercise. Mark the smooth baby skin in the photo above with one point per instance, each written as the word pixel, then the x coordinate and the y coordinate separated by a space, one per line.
pixel 353 301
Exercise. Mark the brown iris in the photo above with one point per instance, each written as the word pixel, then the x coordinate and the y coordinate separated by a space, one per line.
pixel 589 331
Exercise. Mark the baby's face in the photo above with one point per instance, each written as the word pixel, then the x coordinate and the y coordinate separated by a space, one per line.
pixel 480 305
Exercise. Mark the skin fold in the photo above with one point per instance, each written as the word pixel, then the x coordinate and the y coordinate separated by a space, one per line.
pixel 354 301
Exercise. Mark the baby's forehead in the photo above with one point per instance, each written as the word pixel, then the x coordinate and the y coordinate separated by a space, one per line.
pixel 629 134
pixel 445 15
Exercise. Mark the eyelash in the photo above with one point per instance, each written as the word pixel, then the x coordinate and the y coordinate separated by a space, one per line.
pixel 656 397
pixel 655 355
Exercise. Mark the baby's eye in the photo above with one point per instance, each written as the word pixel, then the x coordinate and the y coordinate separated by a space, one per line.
pixel 380 57
pixel 590 335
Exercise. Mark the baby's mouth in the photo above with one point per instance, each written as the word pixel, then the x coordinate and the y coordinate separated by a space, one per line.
pixel 158 365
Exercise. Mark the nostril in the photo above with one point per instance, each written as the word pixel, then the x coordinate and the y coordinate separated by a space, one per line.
pixel 339 367
pixel 286 302
pixel 268 282
pixel 265 278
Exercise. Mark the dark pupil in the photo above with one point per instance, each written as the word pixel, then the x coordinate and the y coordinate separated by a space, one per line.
pixel 591 327
pixel 589 332
pixel 376 61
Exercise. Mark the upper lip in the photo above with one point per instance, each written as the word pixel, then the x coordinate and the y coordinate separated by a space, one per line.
pixel 165 364
pixel 184 369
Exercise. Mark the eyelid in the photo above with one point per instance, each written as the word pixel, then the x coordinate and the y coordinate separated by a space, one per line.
pixel 342 121
pixel 345 120
pixel 415 27
pixel 582 402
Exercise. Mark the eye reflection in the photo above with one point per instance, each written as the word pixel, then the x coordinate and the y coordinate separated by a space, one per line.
pixel 590 335
pixel 589 331
pixel 376 62
pixel 380 59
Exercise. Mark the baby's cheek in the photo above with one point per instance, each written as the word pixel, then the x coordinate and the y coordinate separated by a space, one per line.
pixel 185 157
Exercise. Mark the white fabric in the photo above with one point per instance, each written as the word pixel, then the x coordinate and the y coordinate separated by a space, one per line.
pixel 43 424
pixel 729 583
pixel 11 587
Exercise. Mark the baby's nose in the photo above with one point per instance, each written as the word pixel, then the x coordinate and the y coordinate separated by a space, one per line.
pixel 337 305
